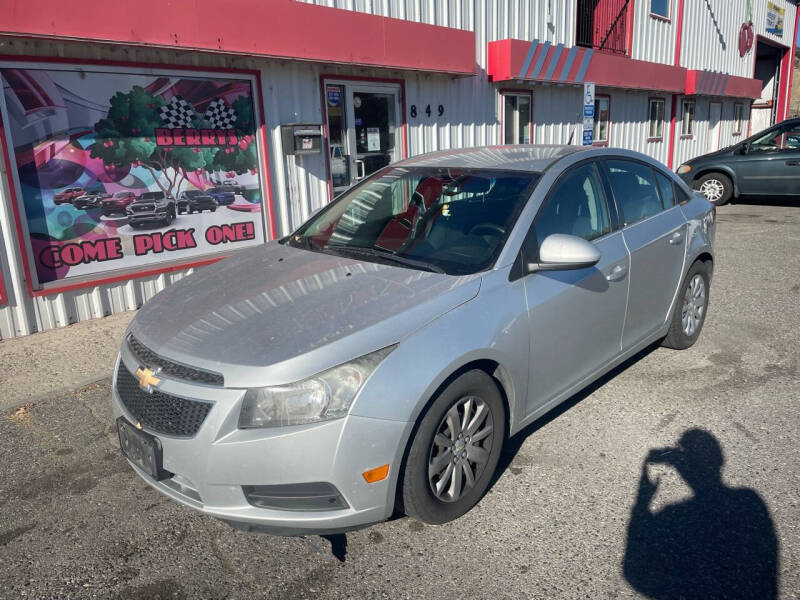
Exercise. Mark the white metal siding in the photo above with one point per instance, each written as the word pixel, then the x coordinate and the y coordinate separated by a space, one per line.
pixel 711 34
pixel 654 39
pixel 545 20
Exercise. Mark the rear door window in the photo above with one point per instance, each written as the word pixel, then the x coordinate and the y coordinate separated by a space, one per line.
pixel 666 189
pixel 634 188
pixel 577 206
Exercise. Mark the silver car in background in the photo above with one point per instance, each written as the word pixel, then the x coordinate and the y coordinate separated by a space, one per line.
pixel 379 357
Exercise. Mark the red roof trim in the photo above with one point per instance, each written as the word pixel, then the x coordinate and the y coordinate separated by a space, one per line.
pixel 274 28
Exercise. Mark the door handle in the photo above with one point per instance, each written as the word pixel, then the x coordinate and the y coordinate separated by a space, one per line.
pixel 361 170
pixel 617 273
pixel 676 238
pixel 793 163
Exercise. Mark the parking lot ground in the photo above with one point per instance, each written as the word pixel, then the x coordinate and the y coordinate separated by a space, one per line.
pixel 76 522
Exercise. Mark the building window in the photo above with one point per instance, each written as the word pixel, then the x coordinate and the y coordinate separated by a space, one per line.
pixel 660 8
pixel 517 118
pixel 601 118
pixel 687 118
pixel 655 130
pixel 738 111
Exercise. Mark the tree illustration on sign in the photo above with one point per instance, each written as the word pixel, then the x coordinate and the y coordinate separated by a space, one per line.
pixel 126 136
pixel 243 157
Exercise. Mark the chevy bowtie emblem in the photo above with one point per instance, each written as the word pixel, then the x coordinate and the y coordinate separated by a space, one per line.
pixel 147 379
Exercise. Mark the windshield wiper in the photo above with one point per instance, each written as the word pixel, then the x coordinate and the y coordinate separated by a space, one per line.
pixel 383 254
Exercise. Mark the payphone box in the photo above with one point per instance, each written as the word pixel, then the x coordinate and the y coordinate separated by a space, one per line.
pixel 301 138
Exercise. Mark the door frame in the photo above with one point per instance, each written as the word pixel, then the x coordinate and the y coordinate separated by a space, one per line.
pixel 502 92
pixel 326 78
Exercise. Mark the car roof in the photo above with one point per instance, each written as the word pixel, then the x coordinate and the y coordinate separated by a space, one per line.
pixel 528 157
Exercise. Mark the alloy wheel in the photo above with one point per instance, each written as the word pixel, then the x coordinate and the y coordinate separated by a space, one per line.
pixel 460 449
pixel 694 305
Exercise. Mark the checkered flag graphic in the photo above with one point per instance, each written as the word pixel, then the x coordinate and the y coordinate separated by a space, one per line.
pixel 177 113
pixel 220 115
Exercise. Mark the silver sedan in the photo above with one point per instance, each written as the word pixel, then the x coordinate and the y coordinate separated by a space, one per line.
pixel 381 355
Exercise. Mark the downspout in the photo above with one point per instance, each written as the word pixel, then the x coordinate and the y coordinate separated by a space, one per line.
pixel 678 39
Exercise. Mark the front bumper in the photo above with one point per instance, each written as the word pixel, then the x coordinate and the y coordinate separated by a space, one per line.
pixel 142 217
pixel 212 466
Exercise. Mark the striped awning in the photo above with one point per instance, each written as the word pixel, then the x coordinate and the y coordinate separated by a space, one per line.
pixel 537 61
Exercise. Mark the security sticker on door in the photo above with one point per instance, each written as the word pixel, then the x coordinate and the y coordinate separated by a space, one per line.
pixel 373 139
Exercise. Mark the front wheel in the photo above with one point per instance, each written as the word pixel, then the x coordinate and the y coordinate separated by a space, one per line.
pixel 455 450
pixel 690 311
pixel 716 187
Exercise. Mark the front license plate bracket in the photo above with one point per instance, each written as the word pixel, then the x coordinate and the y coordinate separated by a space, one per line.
pixel 142 449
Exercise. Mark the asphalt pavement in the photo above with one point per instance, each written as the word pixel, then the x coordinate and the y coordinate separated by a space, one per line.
pixel 569 516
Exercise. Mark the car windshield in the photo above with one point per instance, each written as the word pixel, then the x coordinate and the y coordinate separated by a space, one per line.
pixel 122 194
pixel 193 193
pixel 221 189
pixel 452 221
pixel 152 195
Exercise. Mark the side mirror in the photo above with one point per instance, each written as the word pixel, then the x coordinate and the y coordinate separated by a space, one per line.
pixel 562 252
pixel 744 148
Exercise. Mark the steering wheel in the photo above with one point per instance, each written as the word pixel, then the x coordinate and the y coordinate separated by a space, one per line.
pixel 487 228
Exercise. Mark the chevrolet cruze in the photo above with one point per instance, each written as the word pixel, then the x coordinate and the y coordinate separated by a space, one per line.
pixel 378 358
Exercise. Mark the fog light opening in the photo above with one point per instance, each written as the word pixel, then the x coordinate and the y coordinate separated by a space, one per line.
pixel 377 474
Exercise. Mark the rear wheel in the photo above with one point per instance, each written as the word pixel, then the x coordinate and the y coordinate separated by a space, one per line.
pixel 716 187
pixel 691 308
pixel 455 450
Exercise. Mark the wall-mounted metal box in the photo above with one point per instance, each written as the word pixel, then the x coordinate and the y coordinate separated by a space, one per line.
pixel 301 138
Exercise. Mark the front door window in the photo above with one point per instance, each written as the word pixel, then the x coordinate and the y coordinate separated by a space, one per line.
pixel 363 133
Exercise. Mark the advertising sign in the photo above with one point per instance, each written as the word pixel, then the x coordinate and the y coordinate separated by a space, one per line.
pixel 588 114
pixel 118 168
pixel 775 16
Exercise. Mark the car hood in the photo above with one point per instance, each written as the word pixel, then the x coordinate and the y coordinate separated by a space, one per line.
pixel 291 312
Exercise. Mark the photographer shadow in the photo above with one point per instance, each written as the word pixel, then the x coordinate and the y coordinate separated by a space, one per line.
pixel 720 543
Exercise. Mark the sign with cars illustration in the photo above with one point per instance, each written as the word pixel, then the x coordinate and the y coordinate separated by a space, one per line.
pixel 119 168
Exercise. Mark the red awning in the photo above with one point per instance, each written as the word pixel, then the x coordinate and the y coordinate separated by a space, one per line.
pixel 274 28
pixel 517 60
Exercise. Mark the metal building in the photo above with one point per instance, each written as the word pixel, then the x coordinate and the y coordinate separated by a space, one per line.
pixel 273 106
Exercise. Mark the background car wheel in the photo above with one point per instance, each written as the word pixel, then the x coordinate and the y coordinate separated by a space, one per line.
pixel 691 308
pixel 716 187
pixel 455 450
pixel 214 209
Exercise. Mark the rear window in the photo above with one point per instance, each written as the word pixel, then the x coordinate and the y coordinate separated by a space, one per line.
pixel 667 190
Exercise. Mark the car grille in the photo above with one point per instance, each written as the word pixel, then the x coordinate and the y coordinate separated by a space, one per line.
pixel 159 412
pixel 150 359
pixel 143 208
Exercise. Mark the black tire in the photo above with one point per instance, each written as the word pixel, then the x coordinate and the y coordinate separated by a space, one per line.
pixel 718 181
pixel 677 338
pixel 214 209
pixel 418 497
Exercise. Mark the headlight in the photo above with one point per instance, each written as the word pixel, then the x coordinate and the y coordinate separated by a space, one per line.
pixel 684 169
pixel 319 398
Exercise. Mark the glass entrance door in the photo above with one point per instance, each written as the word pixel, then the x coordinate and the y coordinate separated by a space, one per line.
pixel 363 130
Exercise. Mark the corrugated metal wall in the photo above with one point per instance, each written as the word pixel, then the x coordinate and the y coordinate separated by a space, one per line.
pixel 654 39
pixel 711 34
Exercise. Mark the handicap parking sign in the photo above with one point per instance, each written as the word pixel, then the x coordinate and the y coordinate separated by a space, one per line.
pixel 588 111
